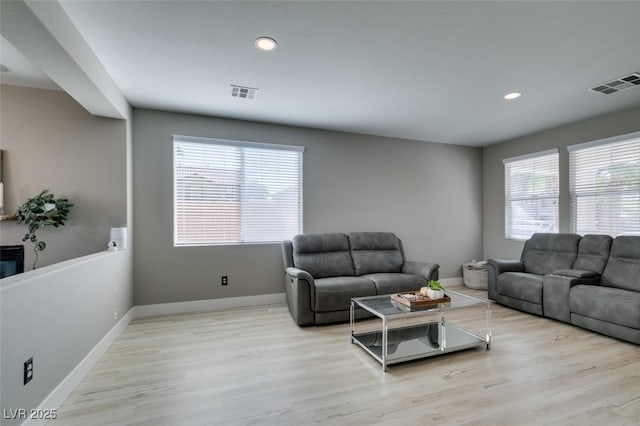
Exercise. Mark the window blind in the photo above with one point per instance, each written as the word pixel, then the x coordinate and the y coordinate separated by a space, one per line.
pixel 232 192
pixel 604 186
pixel 531 194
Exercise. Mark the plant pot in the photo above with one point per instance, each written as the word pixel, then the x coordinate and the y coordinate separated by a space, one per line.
pixel 435 294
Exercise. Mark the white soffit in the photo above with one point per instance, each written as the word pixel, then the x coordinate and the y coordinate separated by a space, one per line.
pixel 21 72
pixel 44 34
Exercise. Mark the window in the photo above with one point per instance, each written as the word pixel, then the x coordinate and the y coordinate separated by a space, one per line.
pixel 531 194
pixel 604 186
pixel 231 192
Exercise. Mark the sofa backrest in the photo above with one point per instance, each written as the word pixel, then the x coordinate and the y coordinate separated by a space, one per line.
pixel 374 252
pixel 593 253
pixel 545 253
pixel 623 267
pixel 323 255
pixel 287 254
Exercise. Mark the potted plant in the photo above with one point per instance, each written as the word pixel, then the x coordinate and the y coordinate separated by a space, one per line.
pixel 435 290
pixel 39 212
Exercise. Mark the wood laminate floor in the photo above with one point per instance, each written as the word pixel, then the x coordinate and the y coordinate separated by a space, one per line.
pixel 254 366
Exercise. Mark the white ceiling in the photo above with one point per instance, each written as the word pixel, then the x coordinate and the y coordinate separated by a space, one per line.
pixel 431 71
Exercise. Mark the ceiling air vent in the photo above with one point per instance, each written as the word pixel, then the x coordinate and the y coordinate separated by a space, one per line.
pixel 620 83
pixel 243 92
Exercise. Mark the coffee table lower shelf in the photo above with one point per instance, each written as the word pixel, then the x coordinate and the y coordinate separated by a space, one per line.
pixel 417 341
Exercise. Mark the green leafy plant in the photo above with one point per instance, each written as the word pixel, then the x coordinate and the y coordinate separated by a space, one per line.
pixel 39 212
pixel 435 285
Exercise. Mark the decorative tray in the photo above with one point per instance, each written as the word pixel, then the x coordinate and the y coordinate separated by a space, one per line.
pixel 413 299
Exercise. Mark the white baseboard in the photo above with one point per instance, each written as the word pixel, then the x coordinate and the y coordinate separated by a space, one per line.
pixel 57 396
pixel 452 282
pixel 142 311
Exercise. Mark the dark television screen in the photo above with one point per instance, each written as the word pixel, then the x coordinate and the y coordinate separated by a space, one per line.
pixel 11 260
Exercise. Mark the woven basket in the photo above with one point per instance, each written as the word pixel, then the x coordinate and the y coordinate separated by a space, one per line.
pixel 476 275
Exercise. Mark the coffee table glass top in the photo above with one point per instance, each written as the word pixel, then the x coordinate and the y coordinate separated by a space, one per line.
pixel 384 306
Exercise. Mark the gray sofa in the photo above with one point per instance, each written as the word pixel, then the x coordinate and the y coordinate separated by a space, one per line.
pixel 324 271
pixel 591 281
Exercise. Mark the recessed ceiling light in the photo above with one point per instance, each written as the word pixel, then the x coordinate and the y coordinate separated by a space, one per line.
pixel 266 43
pixel 512 96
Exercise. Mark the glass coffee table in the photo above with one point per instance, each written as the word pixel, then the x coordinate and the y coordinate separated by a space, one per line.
pixel 406 334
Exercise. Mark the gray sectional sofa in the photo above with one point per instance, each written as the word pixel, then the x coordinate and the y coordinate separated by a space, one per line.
pixel 324 271
pixel 591 281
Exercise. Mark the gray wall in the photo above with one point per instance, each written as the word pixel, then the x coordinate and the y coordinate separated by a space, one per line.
pixel 51 142
pixel 59 312
pixel 428 194
pixel 495 244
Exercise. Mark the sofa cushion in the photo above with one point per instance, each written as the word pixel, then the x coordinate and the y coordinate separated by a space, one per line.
pixel 593 253
pixel 623 267
pixel 374 252
pixel 576 273
pixel 334 294
pixel 544 253
pixel 323 255
pixel 609 304
pixel 387 283
pixel 521 285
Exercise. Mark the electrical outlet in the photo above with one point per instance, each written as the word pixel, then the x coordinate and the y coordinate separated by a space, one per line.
pixel 224 280
pixel 28 370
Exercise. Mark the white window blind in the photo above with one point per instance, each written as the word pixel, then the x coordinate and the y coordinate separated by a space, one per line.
pixel 605 186
pixel 232 192
pixel 531 194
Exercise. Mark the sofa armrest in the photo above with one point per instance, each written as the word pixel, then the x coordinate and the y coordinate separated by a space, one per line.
pixel 556 288
pixel 576 273
pixel 427 270
pixel 497 267
pixel 502 265
pixel 300 293
pixel 300 274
